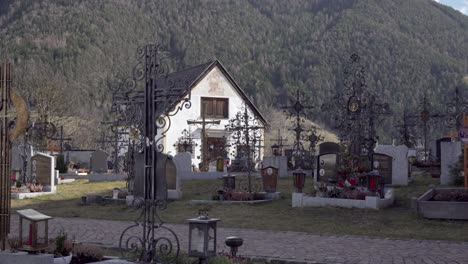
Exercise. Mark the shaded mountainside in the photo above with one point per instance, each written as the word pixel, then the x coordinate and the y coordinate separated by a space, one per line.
pixel 410 48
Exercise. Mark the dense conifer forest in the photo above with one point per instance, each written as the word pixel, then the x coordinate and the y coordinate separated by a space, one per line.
pixel 78 48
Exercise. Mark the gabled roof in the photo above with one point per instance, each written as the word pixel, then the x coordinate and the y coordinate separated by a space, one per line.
pixel 190 77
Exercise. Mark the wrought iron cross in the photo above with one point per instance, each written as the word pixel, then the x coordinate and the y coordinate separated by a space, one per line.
pixel 425 116
pixel 455 108
pixel 244 129
pixel 297 111
pixel 61 139
pixel 204 137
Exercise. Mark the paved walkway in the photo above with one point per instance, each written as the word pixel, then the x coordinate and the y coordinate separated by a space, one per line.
pixel 284 245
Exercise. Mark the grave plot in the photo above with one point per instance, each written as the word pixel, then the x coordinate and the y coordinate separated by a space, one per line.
pixel 350 174
pixel 42 178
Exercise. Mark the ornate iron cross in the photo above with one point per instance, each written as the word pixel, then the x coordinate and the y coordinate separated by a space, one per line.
pixel 425 117
pixel 245 131
pixel 297 112
pixel 162 97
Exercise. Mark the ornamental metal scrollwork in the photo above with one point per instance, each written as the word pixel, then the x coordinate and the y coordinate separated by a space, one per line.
pixel 357 111
pixel 144 105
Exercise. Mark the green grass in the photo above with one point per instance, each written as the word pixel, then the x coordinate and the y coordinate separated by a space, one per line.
pixel 399 221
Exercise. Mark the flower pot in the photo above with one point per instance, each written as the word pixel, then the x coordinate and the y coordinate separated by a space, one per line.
pixel 63 259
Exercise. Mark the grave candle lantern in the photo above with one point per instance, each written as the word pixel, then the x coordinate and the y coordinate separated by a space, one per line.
pixel 299 180
pixel 33 219
pixel 375 182
pixel 202 237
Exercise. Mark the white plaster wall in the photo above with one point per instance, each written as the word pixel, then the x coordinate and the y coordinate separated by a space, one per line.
pixel 214 84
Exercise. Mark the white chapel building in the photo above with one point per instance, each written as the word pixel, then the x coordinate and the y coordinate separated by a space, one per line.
pixel 210 85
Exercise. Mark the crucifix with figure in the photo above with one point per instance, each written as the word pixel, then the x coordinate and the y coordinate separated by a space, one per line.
pixel 204 143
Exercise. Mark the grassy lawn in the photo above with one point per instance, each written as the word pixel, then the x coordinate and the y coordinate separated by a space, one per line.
pixel 398 221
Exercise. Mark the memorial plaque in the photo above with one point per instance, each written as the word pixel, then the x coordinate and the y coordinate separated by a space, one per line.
pixel 41 169
pixel 383 163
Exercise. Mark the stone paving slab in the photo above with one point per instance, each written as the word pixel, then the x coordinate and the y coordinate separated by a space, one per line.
pixel 285 245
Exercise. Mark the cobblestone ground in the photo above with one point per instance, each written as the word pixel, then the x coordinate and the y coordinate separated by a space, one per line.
pixel 283 245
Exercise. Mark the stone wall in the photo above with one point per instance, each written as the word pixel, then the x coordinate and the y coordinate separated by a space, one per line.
pixel 371 202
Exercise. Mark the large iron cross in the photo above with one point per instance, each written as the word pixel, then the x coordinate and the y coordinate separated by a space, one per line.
pixel 204 136
pixel 298 111
pixel 425 116
pixel 61 139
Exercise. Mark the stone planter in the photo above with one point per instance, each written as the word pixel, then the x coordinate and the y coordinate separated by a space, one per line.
pixel 428 208
pixel 63 259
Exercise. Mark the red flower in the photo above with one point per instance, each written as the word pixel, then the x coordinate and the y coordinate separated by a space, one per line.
pixel 353 182
pixel 13 177
pixel 340 184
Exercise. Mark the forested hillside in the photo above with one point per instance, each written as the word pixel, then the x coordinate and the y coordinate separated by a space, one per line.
pixel 410 48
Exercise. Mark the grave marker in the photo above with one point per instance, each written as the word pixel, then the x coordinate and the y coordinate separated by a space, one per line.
pixel 327 162
pixel 400 164
pixel 98 161
pixel 450 151
pixel 383 163
pixel 42 171
pixel 270 179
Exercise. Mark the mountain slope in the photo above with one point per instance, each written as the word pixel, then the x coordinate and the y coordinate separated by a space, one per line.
pixel 410 48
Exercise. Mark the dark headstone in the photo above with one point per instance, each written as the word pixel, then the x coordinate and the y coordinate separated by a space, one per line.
pixel 165 175
pixel 98 161
pixel 438 148
pixel 327 162
pixel 239 165
pixel 327 168
pixel 329 147
pixel 383 163
pixel 270 179
pixel 41 169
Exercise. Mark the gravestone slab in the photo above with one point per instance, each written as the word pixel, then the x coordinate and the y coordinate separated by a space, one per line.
pixel 449 153
pixel 167 177
pixel 280 162
pixel 98 161
pixel 399 164
pixel 183 162
pixel 238 165
pixel 270 179
pixel 43 170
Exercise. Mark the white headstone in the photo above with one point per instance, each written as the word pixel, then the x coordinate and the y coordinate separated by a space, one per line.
pixel 400 162
pixel 280 162
pixel 449 154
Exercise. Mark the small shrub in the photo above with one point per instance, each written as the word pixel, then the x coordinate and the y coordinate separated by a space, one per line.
pixel 61 165
pixel 14 243
pixel 63 246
